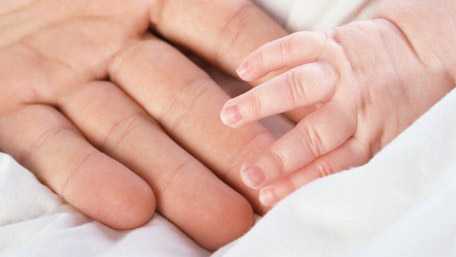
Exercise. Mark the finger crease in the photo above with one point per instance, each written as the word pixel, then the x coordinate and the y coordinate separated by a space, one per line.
pixel 173 177
pixel 312 140
pixel 279 162
pixel 75 171
pixel 41 140
pixel 227 30
pixel 129 123
pixel 198 88
pixel 324 169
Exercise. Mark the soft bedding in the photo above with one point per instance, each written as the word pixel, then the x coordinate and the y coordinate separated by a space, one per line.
pixel 400 204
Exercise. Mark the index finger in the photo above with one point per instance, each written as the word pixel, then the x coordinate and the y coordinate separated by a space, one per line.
pixel 222 32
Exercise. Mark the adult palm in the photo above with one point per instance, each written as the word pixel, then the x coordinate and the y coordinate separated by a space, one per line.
pixel 119 122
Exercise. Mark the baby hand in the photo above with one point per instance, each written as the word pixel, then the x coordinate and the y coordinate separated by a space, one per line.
pixel 364 84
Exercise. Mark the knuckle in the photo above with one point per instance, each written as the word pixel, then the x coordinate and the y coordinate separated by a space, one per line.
pixel 255 106
pixel 278 161
pixel 324 169
pixel 348 41
pixel 175 176
pixel 184 102
pixel 311 139
pixel 30 80
pixel 78 166
pixel 133 53
pixel 365 152
pixel 286 48
pixel 122 129
pixel 46 138
pixel 297 90
pixel 233 26
pixel 259 60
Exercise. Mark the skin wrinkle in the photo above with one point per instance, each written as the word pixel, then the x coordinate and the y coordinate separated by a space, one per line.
pixel 285 49
pixel 73 70
pixel 32 26
pixel 37 95
pixel 295 84
pixel 76 171
pixel 324 169
pixel 227 29
pixel 26 156
pixel 256 105
pixel 435 63
pixel 363 101
pixel 41 55
pixel 176 173
pixel 199 88
pixel 279 162
pixel 126 126
pixel 310 139
pixel 82 50
pixel 400 81
pixel 88 37
pixel 336 37
pixel 366 152
pixel 117 61
pixel 213 145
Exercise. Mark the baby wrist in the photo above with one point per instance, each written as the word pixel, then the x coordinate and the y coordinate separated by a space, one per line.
pixel 427 26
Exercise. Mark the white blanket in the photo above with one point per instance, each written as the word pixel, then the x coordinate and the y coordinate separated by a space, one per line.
pixel 398 205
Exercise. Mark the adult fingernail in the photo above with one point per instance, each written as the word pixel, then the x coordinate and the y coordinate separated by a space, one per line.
pixel 267 197
pixel 231 116
pixel 253 177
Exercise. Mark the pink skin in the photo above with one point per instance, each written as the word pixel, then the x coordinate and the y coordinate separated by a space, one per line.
pixel 90 103
pixel 367 82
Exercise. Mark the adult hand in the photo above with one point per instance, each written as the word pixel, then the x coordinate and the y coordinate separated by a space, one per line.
pixel 118 122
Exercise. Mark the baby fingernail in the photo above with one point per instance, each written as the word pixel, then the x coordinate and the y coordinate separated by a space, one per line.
pixel 253 177
pixel 231 115
pixel 244 71
pixel 267 197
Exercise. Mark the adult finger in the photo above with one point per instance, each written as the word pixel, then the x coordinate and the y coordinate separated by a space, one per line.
pixel 187 102
pixel 44 141
pixel 223 32
pixel 232 30
pixel 186 190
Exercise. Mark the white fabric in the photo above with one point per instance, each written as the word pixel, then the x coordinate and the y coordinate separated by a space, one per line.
pixel 398 205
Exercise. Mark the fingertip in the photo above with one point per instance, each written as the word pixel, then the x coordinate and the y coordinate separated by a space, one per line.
pixel 231 115
pixel 245 71
pixel 242 73
pixel 135 210
pixel 110 193
pixel 267 197
pixel 235 219
pixel 270 195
